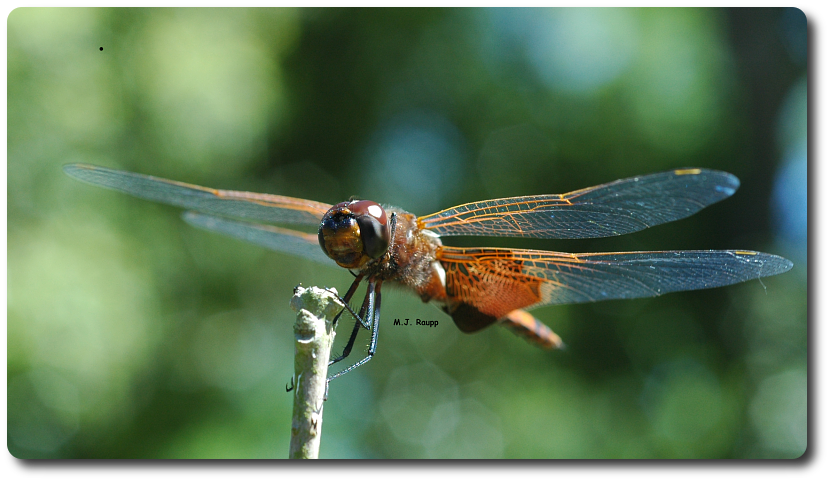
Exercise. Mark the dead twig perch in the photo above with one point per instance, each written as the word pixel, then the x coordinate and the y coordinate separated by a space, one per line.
pixel 313 336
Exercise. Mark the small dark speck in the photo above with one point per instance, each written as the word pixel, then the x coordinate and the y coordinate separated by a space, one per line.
pixel 101 48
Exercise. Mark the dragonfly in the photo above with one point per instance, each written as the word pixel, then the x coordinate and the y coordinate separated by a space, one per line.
pixel 476 287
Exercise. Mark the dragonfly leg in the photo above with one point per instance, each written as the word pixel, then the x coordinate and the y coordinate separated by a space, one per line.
pixel 374 313
pixel 359 321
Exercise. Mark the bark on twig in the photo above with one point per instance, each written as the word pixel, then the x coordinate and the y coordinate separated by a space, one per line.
pixel 313 336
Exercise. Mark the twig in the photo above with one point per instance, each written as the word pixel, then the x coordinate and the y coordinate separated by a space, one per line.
pixel 313 336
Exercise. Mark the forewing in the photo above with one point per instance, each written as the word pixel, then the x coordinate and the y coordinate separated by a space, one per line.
pixel 263 207
pixel 496 281
pixel 619 207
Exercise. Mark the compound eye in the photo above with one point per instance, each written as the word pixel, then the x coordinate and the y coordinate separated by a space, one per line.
pixel 374 228
pixel 339 236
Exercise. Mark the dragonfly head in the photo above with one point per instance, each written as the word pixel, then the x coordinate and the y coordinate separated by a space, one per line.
pixel 353 233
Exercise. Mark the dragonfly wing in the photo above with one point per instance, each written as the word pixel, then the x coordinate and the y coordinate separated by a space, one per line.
pixel 263 207
pixel 489 283
pixel 289 241
pixel 619 207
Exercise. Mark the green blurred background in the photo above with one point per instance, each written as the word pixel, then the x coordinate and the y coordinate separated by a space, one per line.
pixel 133 335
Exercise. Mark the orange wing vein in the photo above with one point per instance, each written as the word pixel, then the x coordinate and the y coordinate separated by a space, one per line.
pixel 619 207
pixel 263 207
pixel 496 281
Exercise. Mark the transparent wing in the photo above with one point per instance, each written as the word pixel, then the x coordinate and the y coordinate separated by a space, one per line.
pixel 619 207
pixel 300 244
pixel 263 207
pixel 496 281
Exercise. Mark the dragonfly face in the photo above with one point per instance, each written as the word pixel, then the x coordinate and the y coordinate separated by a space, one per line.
pixel 354 233
pixel 478 287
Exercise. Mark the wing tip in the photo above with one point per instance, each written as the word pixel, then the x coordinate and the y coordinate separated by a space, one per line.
pixel 74 169
pixel 770 264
